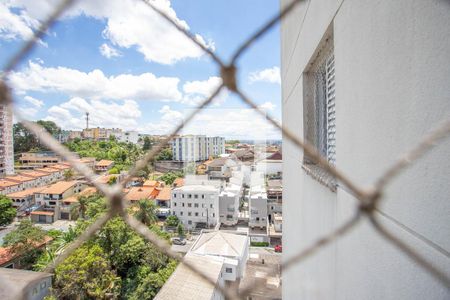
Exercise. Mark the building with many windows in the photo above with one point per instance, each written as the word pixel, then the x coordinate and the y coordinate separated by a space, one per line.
pixel 6 141
pixel 197 206
pixel 197 147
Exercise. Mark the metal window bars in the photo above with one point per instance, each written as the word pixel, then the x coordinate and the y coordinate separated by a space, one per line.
pixel 369 197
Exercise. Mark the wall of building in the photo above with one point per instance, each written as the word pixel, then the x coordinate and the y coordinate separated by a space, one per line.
pixel 392 72
pixel 6 142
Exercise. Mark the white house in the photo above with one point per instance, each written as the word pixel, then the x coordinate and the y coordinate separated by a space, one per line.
pixel 364 81
pixel 196 205
pixel 257 207
pixel 229 207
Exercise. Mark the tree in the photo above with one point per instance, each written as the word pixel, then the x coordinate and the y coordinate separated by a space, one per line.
pixel 112 180
pixel 24 241
pixel 87 274
pixel 172 221
pixel 146 212
pixel 50 126
pixel 165 154
pixel 168 177
pixel 114 170
pixel 25 141
pixel 148 143
pixel 180 230
pixel 79 208
pixel 7 211
pixel 68 174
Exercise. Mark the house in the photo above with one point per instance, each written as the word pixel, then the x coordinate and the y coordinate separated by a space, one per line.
pixel 258 216
pixel 67 203
pixel 42 178
pixel 187 284
pixel 229 207
pixel 197 206
pixel 179 182
pixel 24 199
pixel 104 165
pixel 364 82
pixel 221 256
pixel 233 247
pixel 163 197
pixel 7 187
pixel 151 183
pixel 139 192
pixel 272 164
pixel 274 198
pixel 221 168
pixel 24 284
pixel 51 197
pixel 11 260
pixel 24 181
pixel 39 159
pixel 55 174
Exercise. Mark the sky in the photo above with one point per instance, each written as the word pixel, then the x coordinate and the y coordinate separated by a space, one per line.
pixel 131 69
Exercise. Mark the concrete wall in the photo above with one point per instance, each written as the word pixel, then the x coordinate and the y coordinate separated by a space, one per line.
pixel 392 87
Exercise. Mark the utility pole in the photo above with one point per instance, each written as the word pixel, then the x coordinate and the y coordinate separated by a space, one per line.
pixel 87 120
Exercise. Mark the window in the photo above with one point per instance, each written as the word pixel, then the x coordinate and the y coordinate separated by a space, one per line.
pixel 210 206
pixel 182 195
pixel 203 196
pixel 189 214
pixel 174 204
pixel 181 213
pixel 196 196
pixel 195 204
pixel 196 214
pixel 189 196
pixel 182 204
pixel 319 114
pixel 190 222
pixel 228 270
pixel 174 195
pixel 189 204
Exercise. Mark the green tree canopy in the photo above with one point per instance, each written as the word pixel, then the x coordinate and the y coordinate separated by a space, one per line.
pixel 172 221
pixel 146 212
pixel 87 274
pixel 7 211
pixel 165 154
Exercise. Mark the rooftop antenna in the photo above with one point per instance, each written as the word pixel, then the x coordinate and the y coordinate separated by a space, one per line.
pixel 87 120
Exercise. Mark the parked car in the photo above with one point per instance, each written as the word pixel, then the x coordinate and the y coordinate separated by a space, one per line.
pixel 278 248
pixel 178 241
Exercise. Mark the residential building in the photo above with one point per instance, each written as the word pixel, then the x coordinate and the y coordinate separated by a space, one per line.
pixel 196 147
pixel 68 203
pixel 221 168
pixel 128 137
pixel 7 187
pixel 141 193
pixel 55 174
pixel 39 159
pixel 10 259
pixel 41 178
pixel 228 207
pixel 257 207
pixel 364 82
pixel 197 206
pixel 51 197
pixel 221 256
pixel 75 135
pixel 162 199
pixel 24 199
pixel 274 198
pixel 271 165
pixel 25 181
pixel 104 165
pixel 14 282
pixel 6 141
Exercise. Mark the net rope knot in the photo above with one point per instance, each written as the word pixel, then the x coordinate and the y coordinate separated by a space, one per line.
pixel 228 74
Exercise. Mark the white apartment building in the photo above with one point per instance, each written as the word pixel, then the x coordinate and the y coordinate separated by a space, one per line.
pixel 128 137
pixel 6 141
pixel 257 205
pixel 229 207
pixel 196 147
pixel 364 81
pixel 196 205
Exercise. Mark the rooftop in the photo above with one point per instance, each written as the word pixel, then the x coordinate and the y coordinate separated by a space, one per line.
pixel 19 178
pixel 6 183
pixel 25 193
pixel 58 188
pixel 104 163
pixel 164 194
pixel 138 193
pixel 34 174
pixel 219 243
pixel 186 284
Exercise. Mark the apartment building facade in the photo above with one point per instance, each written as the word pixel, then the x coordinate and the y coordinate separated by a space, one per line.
pixel 6 141
pixel 364 81
pixel 196 205
pixel 196 147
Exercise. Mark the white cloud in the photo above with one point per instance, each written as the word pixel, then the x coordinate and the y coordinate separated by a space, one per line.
pixel 95 85
pixel 232 123
pixel 109 52
pixel 197 91
pixel 267 106
pixel 129 24
pixel 15 26
pixel 27 112
pixel 71 114
pixel 271 75
pixel 34 101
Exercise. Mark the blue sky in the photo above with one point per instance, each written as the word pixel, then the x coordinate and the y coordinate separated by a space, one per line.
pixel 130 69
